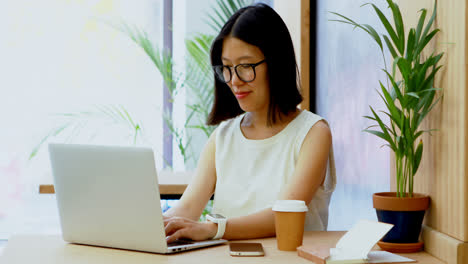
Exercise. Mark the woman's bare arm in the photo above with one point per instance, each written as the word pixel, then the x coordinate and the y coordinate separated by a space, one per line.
pixel 201 187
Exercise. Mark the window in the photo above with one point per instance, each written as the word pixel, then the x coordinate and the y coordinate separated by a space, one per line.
pixel 70 64
pixel 65 57
pixel 347 77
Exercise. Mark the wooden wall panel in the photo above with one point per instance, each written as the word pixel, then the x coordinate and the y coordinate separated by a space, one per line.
pixel 462 253
pixel 443 172
pixel 465 156
pixel 443 247
pixel 305 53
pixel 465 141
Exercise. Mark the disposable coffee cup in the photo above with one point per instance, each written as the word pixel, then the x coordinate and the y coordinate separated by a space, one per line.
pixel 289 223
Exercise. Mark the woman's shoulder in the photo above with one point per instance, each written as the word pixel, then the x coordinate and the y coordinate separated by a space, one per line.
pixel 317 126
pixel 228 126
pixel 311 126
pixel 306 120
pixel 311 117
pixel 315 120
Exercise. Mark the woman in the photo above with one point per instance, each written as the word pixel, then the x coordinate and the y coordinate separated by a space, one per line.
pixel 264 148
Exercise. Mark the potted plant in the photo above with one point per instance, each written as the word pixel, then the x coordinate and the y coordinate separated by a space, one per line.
pixel 409 95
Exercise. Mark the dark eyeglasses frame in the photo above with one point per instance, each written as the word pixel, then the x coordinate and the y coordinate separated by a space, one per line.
pixel 221 67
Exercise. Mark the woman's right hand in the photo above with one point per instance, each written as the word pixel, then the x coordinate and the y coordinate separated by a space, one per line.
pixel 180 227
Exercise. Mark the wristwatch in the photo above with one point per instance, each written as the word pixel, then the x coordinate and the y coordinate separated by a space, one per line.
pixel 221 221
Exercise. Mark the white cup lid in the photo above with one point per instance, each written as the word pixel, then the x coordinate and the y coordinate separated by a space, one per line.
pixel 290 206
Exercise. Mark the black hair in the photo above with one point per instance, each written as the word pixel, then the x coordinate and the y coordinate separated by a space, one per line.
pixel 261 26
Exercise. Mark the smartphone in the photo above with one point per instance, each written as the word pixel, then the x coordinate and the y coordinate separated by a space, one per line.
pixel 246 249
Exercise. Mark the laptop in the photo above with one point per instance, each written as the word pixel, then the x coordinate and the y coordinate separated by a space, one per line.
pixel 109 196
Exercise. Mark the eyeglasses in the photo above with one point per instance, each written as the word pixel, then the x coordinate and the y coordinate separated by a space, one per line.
pixel 245 72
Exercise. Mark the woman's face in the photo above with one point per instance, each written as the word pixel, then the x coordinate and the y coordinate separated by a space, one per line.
pixel 252 96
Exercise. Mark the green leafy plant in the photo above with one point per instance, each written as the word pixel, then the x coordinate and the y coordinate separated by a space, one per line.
pixel 165 65
pixel 408 97
pixel 76 122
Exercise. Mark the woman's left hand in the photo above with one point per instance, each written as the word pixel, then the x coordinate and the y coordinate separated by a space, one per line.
pixel 180 227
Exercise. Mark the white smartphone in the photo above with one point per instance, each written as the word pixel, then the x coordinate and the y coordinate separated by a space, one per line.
pixel 246 249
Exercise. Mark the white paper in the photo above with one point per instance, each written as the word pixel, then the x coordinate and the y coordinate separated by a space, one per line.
pixel 386 257
pixel 342 254
pixel 358 242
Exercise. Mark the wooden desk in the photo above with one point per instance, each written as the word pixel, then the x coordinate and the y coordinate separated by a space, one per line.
pixel 53 250
pixel 171 184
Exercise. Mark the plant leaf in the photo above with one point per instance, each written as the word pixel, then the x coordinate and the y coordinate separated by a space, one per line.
pixel 394 111
pixel 384 130
pixel 413 95
pixel 390 47
pixel 422 18
pixel 398 20
pixel 417 157
pixel 390 30
pixel 425 41
pixel 410 46
pixel 429 23
pixel 371 31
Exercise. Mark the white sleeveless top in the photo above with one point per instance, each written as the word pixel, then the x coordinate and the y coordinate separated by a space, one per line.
pixel 252 173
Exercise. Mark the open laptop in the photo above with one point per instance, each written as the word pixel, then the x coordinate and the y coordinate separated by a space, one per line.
pixel 109 196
